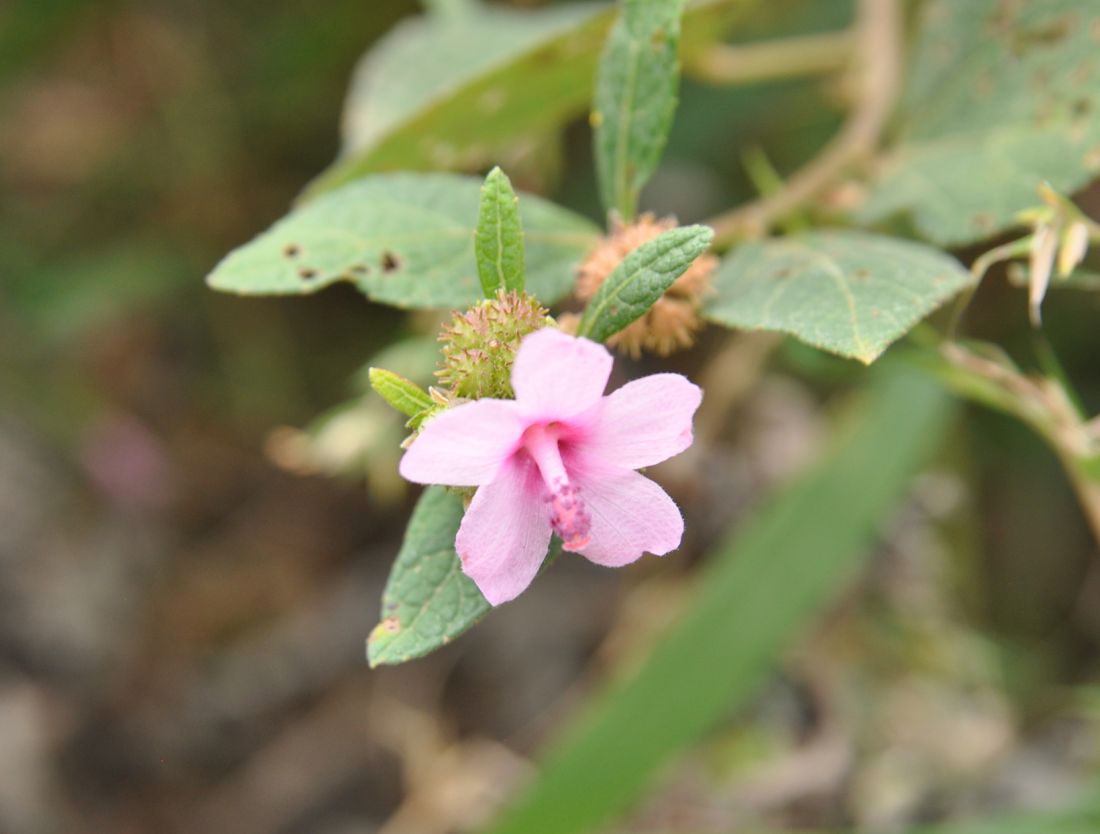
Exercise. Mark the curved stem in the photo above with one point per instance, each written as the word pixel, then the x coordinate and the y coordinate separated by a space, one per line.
pixel 981 265
pixel 725 64
pixel 878 41
pixel 731 374
pixel 1087 487
pixel 1052 366
pixel 1041 403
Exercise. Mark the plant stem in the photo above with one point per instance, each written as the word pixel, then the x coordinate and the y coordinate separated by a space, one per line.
pixel 730 375
pixel 981 265
pixel 1087 487
pixel 787 58
pixel 1052 366
pixel 1042 404
pixel 878 53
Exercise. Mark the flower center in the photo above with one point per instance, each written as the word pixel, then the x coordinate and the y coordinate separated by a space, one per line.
pixel 568 516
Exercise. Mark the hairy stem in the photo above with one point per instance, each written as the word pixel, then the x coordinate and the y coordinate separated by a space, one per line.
pixel 878 53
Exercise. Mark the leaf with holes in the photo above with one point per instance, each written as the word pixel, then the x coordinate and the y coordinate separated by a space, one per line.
pixel 640 279
pixel 636 89
pixel 1001 97
pixel 499 241
pixel 849 293
pixel 454 91
pixel 428 600
pixel 402 239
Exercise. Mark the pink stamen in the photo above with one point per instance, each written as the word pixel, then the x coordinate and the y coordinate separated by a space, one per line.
pixel 568 515
pixel 569 518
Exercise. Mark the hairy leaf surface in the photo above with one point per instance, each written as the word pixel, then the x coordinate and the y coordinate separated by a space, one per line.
pixel 849 293
pixel 636 89
pixel 499 241
pixel 428 599
pixel 641 279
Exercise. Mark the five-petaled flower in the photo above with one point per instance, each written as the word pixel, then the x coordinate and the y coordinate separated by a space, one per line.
pixel 559 458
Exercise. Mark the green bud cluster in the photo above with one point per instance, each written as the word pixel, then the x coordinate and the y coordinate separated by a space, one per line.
pixel 479 346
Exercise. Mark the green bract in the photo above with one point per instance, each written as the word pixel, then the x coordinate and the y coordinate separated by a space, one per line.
pixel 405 396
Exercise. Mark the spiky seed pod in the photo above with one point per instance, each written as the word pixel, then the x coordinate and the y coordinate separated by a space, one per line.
pixel 671 323
pixel 479 346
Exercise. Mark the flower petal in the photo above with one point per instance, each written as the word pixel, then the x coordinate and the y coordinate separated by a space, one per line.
pixel 644 422
pixel 556 375
pixel 630 515
pixel 465 445
pixel 505 533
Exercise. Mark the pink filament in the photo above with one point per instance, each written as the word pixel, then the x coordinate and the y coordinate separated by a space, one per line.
pixel 568 515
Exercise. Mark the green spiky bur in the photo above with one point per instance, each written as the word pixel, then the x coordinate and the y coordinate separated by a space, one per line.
pixel 479 346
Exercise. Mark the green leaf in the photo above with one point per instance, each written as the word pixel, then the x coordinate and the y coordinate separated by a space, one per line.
pixel 451 7
pixel 755 594
pixel 636 89
pixel 449 91
pixel 452 91
pixel 1001 97
pixel 428 600
pixel 640 279
pixel 849 293
pixel 499 242
pixel 405 396
pixel 402 239
pixel 1083 819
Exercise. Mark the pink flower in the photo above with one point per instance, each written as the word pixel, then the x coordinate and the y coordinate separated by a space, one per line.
pixel 559 458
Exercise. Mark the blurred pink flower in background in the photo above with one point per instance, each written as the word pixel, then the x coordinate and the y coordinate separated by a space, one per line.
pixel 127 462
